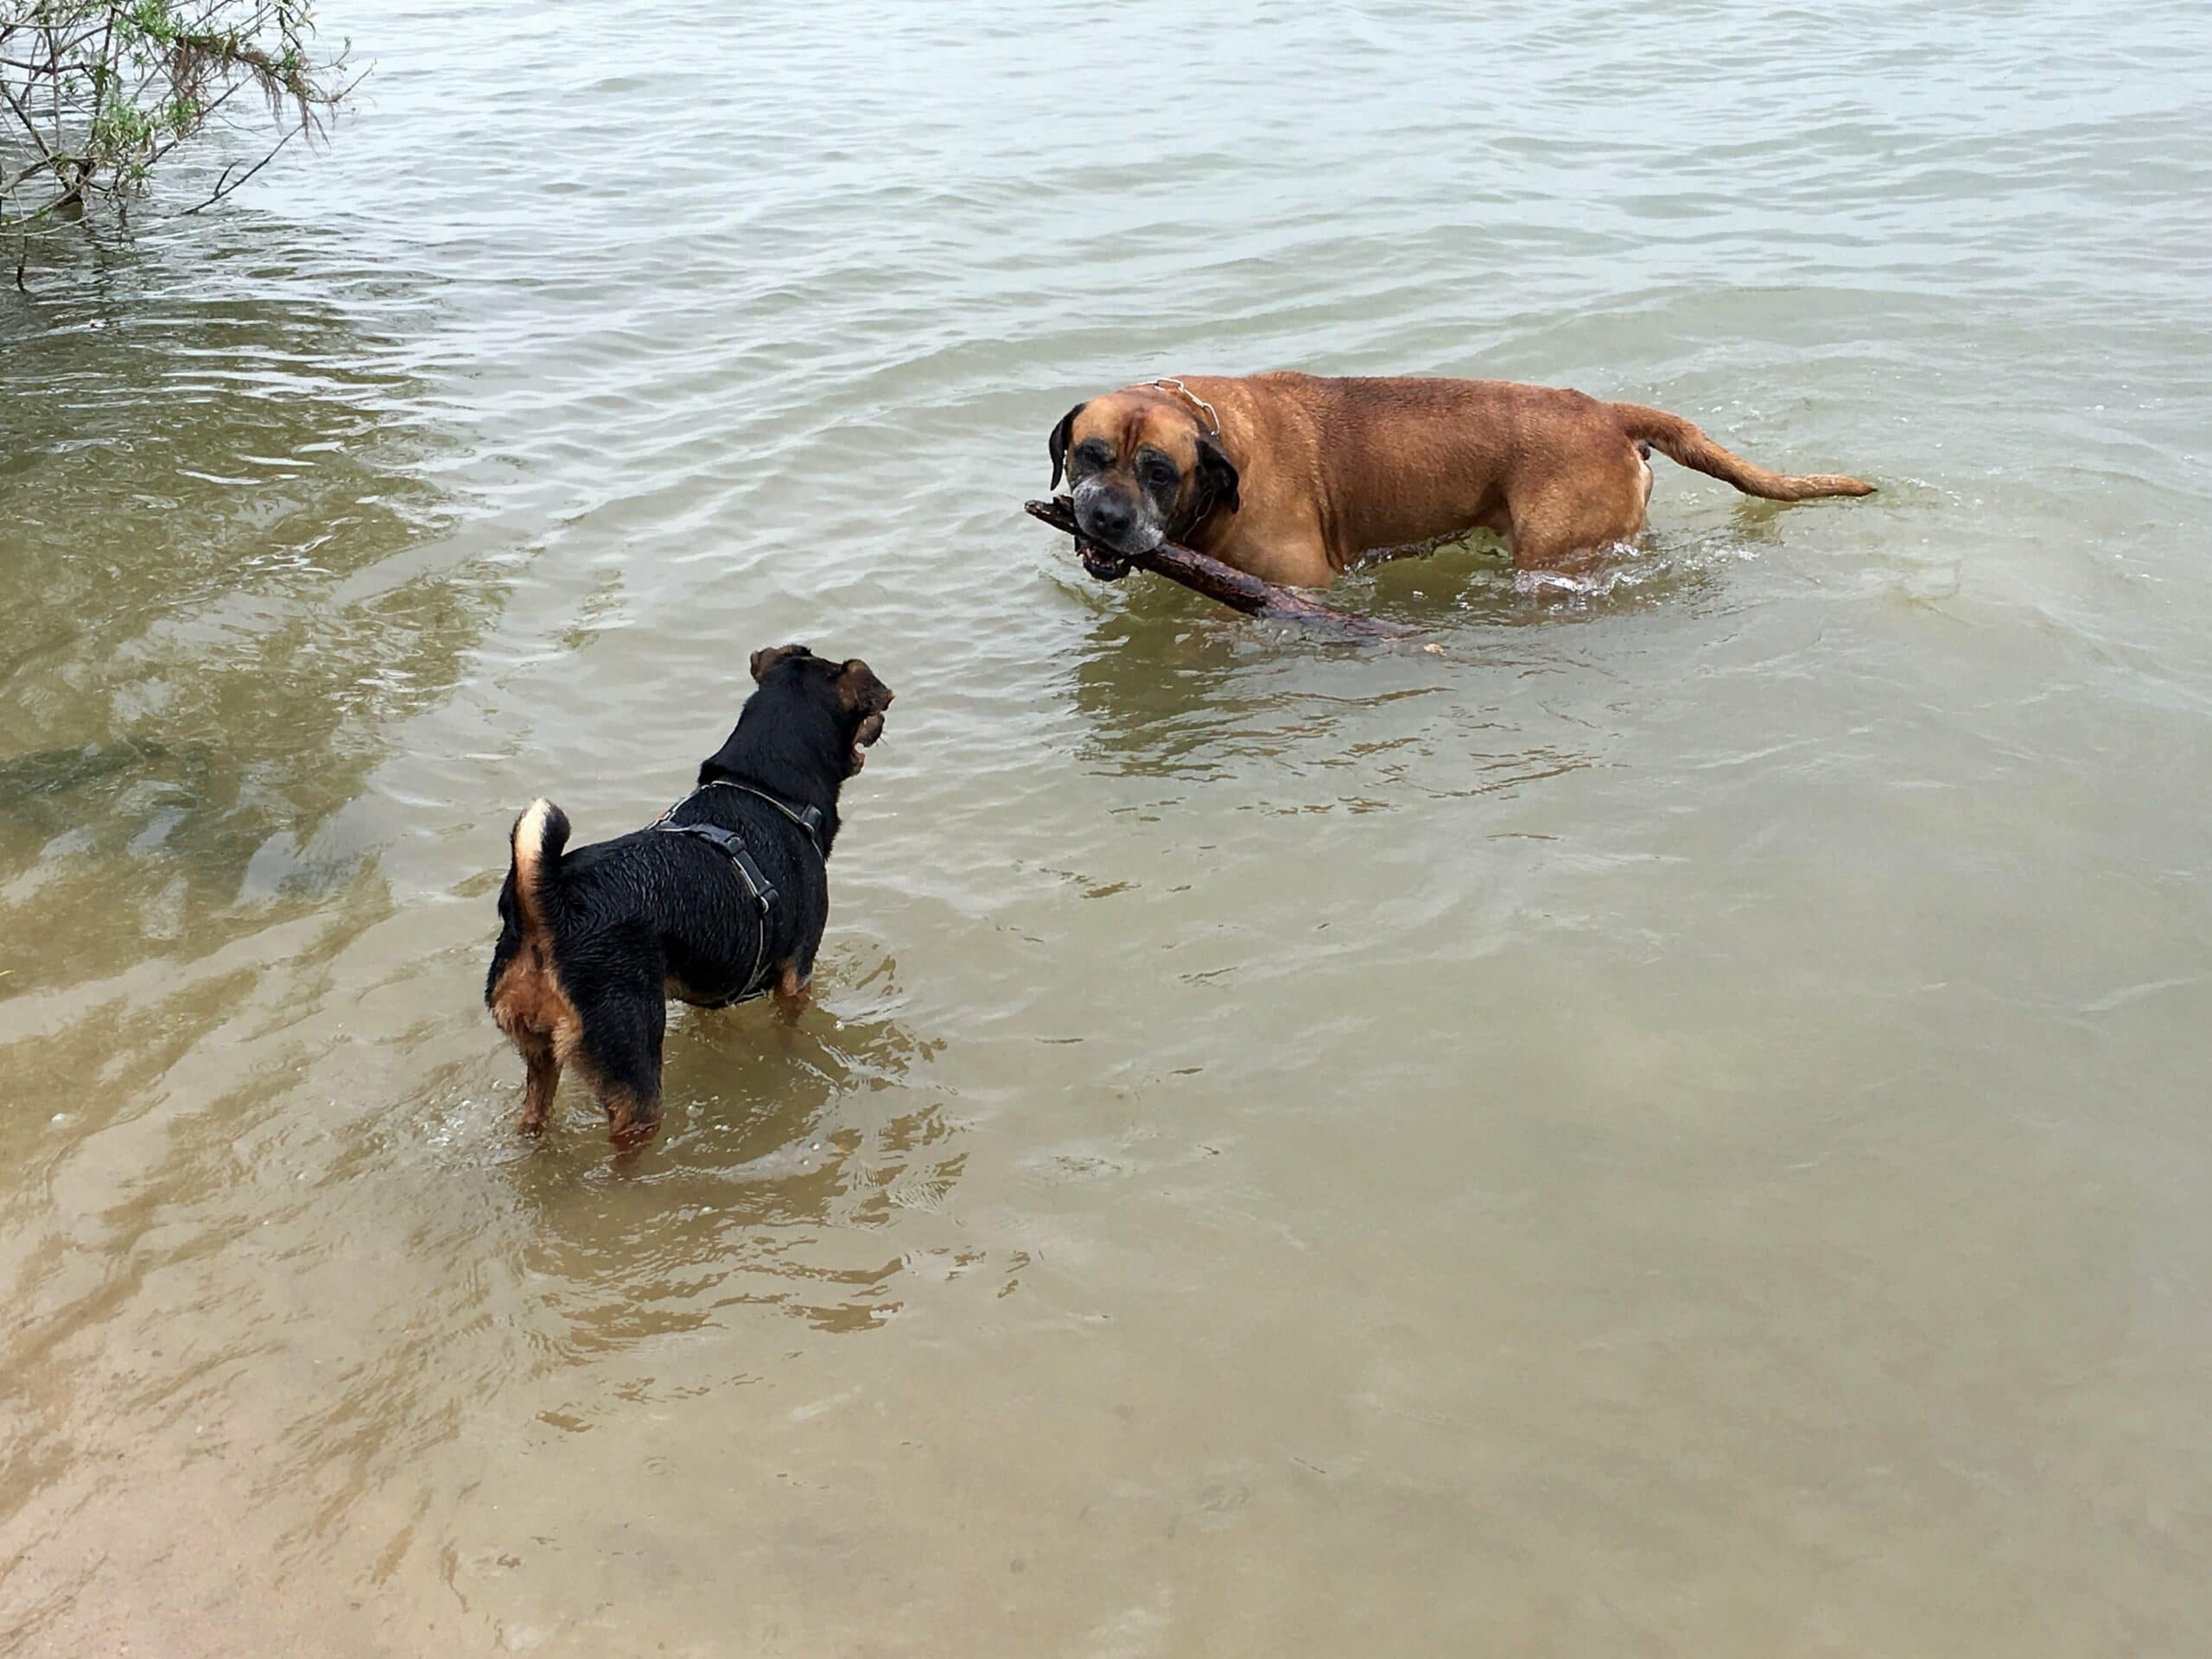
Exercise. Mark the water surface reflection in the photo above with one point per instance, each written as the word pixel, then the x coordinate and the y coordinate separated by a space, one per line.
pixel 229 590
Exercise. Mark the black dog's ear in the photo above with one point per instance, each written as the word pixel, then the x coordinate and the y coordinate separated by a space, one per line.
pixel 1216 476
pixel 768 655
pixel 1057 446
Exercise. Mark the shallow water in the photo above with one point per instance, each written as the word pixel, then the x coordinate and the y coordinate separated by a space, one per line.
pixel 1672 1124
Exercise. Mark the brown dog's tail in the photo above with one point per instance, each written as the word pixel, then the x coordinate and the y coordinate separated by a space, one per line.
pixel 1682 443
pixel 535 847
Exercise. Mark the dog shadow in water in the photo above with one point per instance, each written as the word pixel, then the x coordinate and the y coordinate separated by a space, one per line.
pixel 1496 689
pixel 785 1151
pixel 1173 685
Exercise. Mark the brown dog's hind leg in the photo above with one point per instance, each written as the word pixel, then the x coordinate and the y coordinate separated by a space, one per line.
pixel 1566 526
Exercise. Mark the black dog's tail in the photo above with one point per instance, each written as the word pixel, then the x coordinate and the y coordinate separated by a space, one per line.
pixel 535 846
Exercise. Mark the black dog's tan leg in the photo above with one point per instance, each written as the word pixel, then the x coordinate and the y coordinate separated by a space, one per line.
pixel 622 1031
pixel 543 1081
pixel 794 989
pixel 633 1119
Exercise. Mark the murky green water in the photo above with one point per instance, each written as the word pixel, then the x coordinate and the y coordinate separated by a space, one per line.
pixel 1674 1126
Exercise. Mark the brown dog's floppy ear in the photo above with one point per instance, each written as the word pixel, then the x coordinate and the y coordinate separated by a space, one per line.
pixel 859 690
pixel 768 655
pixel 1216 476
pixel 1057 446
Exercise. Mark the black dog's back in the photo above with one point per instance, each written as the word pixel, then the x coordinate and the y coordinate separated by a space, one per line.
pixel 683 901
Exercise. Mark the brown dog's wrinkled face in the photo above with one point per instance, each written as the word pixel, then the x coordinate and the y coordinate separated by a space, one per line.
pixel 1142 467
pixel 849 689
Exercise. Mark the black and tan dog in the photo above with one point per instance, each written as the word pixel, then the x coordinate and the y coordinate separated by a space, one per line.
pixel 723 899
pixel 1293 478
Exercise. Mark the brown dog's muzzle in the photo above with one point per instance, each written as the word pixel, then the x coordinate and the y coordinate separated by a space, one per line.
pixel 1101 561
pixel 1111 521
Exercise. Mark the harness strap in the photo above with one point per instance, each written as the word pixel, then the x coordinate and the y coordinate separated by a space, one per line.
pixel 808 818
pixel 733 847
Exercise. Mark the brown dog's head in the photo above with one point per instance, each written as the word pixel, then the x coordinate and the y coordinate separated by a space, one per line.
pixel 847 697
pixel 1143 465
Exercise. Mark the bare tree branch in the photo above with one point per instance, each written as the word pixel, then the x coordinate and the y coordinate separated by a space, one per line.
pixel 126 82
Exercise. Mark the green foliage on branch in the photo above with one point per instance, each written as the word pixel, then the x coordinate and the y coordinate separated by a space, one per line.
pixel 95 93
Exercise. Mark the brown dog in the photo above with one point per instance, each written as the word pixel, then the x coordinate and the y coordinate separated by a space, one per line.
pixel 1293 478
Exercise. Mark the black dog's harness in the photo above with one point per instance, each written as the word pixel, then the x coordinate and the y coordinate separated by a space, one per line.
pixel 731 846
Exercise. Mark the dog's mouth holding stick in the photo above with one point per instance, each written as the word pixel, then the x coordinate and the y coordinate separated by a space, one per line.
pixel 1204 573
pixel 1102 563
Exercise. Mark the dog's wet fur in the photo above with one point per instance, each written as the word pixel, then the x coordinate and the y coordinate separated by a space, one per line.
pixel 593 941
pixel 1294 478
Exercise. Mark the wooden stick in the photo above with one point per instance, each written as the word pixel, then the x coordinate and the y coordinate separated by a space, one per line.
pixel 1204 573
